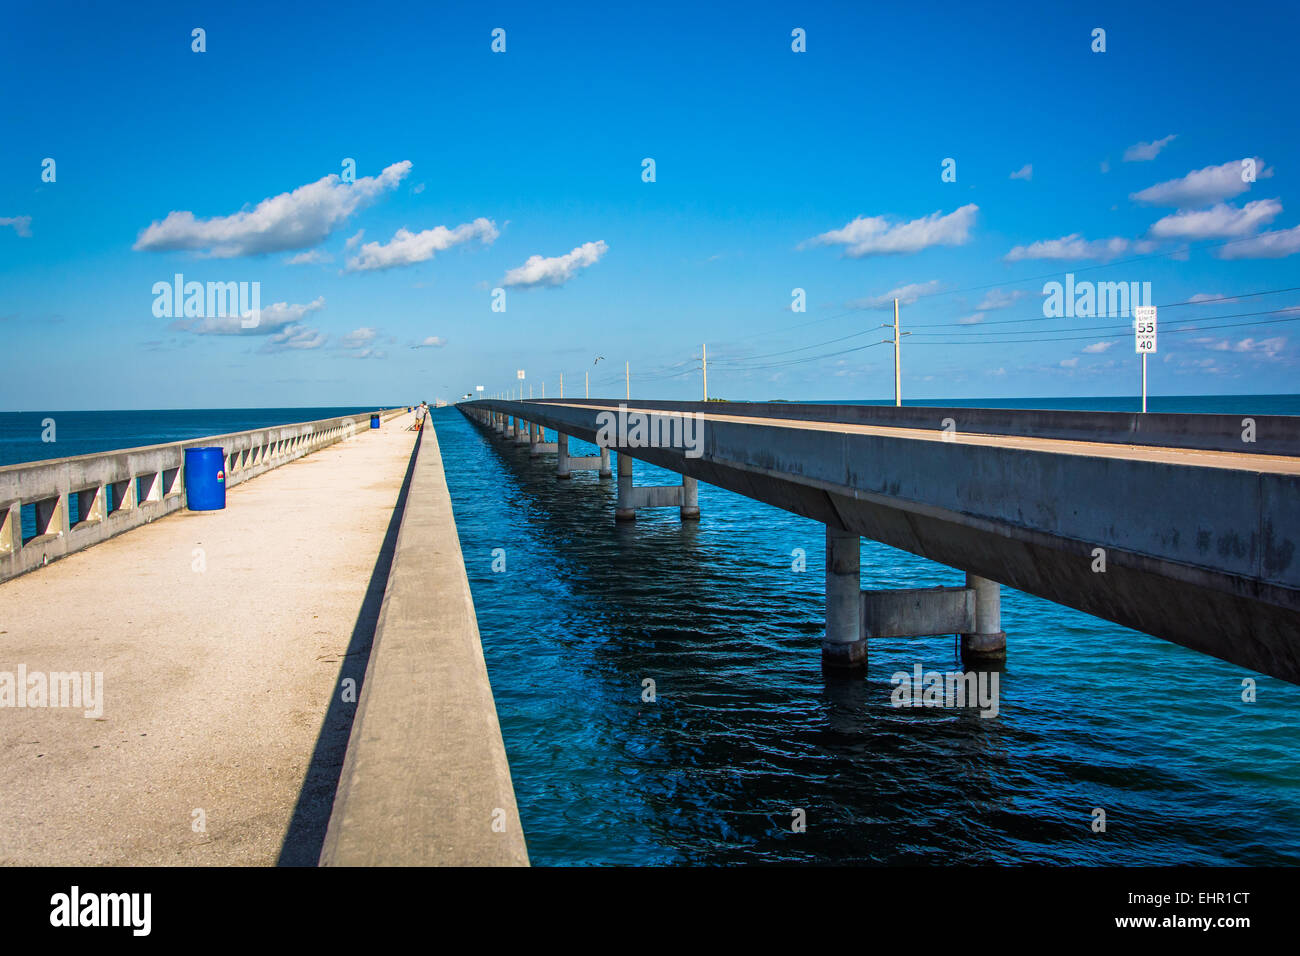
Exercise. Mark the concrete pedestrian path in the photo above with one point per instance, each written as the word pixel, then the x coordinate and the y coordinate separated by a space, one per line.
pixel 223 638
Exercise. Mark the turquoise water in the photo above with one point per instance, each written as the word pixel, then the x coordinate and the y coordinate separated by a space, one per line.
pixel 745 729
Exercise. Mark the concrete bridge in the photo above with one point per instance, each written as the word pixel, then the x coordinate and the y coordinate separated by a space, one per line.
pixel 296 679
pixel 1186 527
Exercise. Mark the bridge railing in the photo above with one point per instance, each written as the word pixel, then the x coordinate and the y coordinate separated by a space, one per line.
pixel 1249 434
pixel 50 509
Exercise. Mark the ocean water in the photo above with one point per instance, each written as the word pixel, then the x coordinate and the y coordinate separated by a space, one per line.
pixel 85 432
pixel 745 730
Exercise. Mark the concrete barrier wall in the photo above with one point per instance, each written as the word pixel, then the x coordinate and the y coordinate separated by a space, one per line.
pixel 143 483
pixel 1274 434
pixel 426 781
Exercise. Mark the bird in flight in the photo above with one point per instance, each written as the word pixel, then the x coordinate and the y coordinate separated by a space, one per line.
pixel 598 358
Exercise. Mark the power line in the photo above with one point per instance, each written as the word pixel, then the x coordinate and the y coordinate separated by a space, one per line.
pixel 976 332
pixel 1194 328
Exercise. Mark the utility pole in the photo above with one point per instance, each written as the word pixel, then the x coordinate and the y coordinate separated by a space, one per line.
pixel 561 385
pixel 627 370
pixel 898 365
pixel 586 385
pixel 704 351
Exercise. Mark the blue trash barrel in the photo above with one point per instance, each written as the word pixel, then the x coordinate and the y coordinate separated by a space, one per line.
pixel 205 479
pixel 374 421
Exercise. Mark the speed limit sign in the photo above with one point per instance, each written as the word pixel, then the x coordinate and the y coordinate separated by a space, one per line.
pixel 1144 329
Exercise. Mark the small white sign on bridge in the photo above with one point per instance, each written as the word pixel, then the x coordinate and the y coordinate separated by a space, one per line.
pixel 1144 329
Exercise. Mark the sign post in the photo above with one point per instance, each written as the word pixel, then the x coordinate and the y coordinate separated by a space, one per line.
pixel 1144 341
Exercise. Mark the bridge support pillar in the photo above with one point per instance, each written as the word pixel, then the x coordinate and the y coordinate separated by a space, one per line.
pixel 521 431
pixel 844 648
pixel 684 497
pixel 690 508
pixel 988 642
pixel 562 455
pixel 624 510
pixel 605 471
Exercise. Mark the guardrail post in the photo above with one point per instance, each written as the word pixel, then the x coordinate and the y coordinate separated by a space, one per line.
pixel 11 528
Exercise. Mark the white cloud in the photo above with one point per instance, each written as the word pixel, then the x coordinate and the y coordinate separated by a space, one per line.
pixel 556 270
pixel 1267 245
pixel 22 224
pixel 295 220
pixel 431 342
pixel 310 257
pixel 295 337
pixel 975 319
pixel 1070 362
pixel 353 240
pixel 1097 347
pixel 1025 172
pixel 1141 152
pixel 359 338
pixel 905 294
pixel 1264 348
pixel 1105 165
pixel 1220 221
pixel 1073 246
pixel 407 248
pixel 360 342
pixel 1202 186
pixel 997 299
pixel 1208 298
pixel 876 235
pixel 273 318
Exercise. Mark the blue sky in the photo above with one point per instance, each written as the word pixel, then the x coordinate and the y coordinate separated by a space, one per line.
pixel 522 170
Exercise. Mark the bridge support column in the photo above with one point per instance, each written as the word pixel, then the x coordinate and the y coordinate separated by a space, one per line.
pixel 534 440
pixel 521 431
pixel 604 463
pixel 690 510
pixel 988 642
pixel 844 648
pixel 562 455
pixel 624 510
pixel 684 497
